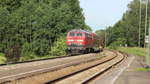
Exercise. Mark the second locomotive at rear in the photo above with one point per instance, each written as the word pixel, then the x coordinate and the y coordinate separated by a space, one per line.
pixel 83 41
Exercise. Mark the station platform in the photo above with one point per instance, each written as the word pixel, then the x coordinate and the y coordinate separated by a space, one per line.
pixel 132 74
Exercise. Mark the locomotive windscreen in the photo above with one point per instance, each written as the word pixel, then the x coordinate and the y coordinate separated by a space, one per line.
pixel 75 34
pixel 79 34
pixel 72 34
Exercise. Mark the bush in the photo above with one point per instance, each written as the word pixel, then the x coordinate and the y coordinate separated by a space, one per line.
pixel 2 58
pixel 27 53
pixel 59 47
pixel 114 45
pixel 118 43
pixel 28 56
pixel 41 47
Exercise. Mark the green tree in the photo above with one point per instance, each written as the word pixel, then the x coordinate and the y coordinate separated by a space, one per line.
pixel 128 27
pixel 35 25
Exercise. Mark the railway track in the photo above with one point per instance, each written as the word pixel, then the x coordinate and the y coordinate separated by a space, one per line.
pixel 25 70
pixel 57 70
pixel 103 70
pixel 85 75
pixel 35 60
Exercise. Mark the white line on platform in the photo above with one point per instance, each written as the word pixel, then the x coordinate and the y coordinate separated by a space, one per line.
pixel 121 70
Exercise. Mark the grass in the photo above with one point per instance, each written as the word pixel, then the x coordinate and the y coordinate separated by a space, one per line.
pixel 133 50
pixel 2 58
pixel 136 52
pixel 142 69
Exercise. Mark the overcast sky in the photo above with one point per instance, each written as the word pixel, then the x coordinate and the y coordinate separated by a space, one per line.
pixel 100 14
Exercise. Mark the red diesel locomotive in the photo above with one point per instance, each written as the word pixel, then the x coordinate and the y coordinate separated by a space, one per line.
pixel 82 41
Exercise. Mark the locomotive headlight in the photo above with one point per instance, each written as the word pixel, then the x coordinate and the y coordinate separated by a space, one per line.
pixel 80 40
pixel 70 40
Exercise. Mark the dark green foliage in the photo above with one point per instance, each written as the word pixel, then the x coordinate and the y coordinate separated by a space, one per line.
pixel 35 25
pixel 128 27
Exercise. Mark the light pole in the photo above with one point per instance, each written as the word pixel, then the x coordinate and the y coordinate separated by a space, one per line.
pixel 139 43
pixel 148 53
pixel 148 47
pixel 146 15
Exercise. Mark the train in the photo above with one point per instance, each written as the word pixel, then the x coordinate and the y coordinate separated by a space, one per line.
pixel 81 41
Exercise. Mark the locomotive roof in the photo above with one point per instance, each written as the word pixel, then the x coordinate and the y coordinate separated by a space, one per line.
pixel 80 30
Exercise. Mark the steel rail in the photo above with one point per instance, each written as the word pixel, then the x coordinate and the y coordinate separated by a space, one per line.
pixel 35 60
pixel 38 71
pixel 87 80
pixel 80 70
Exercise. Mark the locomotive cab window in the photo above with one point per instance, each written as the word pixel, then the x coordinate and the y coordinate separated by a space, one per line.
pixel 87 35
pixel 79 34
pixel 72 34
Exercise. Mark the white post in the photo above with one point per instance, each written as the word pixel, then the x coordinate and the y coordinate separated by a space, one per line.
pixel 139 43
pixel 146 20
pixel 148 43
pixel 148 56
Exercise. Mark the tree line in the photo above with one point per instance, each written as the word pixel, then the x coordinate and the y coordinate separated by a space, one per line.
pixel 30 28
pixel 126 30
